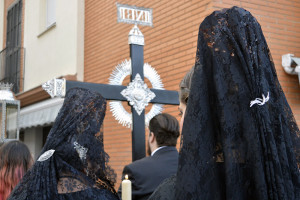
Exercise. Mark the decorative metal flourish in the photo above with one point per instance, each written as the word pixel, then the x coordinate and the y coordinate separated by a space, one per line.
pixel 138 94
pixel 55 87
pixel 6 86
pixel 120 114
pixel 117 77
pixel 80 150
pixel 5 92
pixel 46 155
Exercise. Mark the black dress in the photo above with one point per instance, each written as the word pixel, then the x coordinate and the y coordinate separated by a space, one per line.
pixel 240 138
pixel 164 190
pixel 73 163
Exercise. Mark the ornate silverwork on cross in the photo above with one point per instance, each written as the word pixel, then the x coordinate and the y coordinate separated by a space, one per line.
pixel 134 15
pixel 55 87
pixel 135 36
pixel 138 94
pixel 118 75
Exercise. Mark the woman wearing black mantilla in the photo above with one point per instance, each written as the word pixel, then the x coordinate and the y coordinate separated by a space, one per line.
pixel 73 163
pixel 240 139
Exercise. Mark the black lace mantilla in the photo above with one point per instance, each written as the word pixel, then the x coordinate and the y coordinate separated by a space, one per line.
pixel 231 150
pixel 78 169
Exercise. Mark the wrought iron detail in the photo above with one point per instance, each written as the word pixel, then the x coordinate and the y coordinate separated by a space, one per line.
pixel 117 77
pixel 12 67
pixel 55 87
pixel 138 94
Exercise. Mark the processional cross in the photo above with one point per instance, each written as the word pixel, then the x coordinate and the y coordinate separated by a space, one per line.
pixel 136 93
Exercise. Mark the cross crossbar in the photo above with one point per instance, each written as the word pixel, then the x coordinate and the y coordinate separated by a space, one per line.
pixel 113 92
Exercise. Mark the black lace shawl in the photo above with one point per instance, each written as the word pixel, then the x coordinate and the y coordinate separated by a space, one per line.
pixel 231 150
pixel 78 168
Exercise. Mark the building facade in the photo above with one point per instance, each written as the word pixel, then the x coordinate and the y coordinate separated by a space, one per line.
pixel 40 40
pixel 59 39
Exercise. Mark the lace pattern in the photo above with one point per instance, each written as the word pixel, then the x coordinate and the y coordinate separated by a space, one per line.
pixel 79 161
pixel 229 150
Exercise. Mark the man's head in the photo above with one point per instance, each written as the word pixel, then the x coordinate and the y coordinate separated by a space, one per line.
pixel 164 131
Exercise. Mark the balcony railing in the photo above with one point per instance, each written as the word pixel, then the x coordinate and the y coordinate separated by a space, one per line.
pixel 12 67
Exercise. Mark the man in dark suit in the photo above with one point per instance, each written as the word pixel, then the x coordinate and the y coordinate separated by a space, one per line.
pixel 147 173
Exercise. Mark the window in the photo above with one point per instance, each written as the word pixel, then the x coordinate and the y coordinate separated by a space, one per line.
pixel 47 14
pixel 10 57
pixel 50 12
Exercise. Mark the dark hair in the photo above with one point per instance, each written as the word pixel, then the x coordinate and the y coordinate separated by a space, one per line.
pixel 15 160
pixel 185 86
pixel 165 129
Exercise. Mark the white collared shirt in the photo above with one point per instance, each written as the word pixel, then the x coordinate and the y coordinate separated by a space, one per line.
pixel 157 150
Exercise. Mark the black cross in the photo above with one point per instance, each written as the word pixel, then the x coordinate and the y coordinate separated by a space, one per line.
pixel 113 92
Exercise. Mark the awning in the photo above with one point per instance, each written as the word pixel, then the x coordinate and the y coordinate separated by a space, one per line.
pixel 39 114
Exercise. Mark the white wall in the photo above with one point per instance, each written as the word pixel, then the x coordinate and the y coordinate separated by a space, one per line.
pixel 59 50
pixel 1 23
pixel 80 40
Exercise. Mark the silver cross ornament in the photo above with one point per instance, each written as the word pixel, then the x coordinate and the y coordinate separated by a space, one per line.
pixel 138 94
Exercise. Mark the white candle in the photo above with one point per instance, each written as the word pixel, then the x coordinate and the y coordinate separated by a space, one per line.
pixel 126 189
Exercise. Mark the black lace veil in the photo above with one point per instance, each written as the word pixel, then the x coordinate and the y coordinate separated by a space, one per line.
pixel 79 162
pixel 232 150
